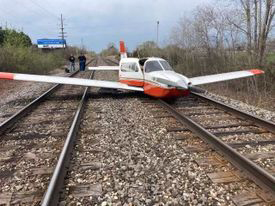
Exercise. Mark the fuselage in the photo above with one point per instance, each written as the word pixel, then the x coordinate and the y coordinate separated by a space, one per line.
pixel 155 75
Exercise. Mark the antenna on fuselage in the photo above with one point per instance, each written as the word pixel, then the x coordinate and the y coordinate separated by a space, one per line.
pixel 123 53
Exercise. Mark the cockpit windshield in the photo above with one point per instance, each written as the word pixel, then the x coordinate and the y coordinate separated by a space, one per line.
pixel 157 65
pixel 153 66
pixel 166 65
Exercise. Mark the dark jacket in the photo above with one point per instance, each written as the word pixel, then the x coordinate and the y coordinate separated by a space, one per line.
pixel 82 58
pixel 71 59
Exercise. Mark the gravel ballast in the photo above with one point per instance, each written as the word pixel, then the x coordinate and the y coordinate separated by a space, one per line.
pixel 263 113
pixel 133 160
pixel 17 94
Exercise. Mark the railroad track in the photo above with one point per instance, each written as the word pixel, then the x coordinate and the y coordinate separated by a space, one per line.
pixel 110 62
pixel 12 119
pixel 107 164
pixel 244 140
pixel 30 145
pixel 51 197
pixel 200 106
pixel 57 169
pixel 70 162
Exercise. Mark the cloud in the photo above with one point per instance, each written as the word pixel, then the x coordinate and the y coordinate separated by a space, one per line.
pixel 96 22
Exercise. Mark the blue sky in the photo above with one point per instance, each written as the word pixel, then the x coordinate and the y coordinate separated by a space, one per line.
pixel 97 22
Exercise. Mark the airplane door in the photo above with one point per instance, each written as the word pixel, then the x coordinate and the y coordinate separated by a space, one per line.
pixel 149 67
pixel 130 73
pixel 152 87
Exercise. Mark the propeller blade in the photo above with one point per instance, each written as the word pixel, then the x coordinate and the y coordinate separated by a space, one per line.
pixel 196 89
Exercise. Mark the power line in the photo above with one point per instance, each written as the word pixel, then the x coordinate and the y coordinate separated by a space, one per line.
pixel 49 13
pixel 49 6
pixel 7 25
pixel 8 12
pixel 28 8
pixel 45 10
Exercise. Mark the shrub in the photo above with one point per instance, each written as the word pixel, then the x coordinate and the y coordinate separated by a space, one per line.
pixel 29 60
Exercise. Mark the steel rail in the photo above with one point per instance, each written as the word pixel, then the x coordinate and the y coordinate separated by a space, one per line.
pixel 270 126
pixel 261 177
pixel 7 124
pixel 52 195
pixel 110 61
pixel 4 126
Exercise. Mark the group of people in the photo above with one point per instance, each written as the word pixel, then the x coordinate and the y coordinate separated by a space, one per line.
pixel 82 62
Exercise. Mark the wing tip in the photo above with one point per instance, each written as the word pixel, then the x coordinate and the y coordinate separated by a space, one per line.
pixel 6 75
pixel 256 71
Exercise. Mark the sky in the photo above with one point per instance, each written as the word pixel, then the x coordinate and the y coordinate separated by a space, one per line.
pixel 96 23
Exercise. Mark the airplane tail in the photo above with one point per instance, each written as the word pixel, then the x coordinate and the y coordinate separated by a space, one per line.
pixel 123 53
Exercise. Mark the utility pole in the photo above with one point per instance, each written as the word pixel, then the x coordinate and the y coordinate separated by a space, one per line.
pixel 62 31
pixel 157 33
pixel 82 45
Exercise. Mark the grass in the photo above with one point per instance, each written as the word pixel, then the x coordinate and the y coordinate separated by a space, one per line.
pixel 248 90
pixel 259 91
pixel 29 60
pixel 270 58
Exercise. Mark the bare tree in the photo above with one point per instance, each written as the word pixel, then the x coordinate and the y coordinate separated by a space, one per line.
pixel 259 13
pixel 256 25
pixel 246 4
pixel 232 35
pixel 266 27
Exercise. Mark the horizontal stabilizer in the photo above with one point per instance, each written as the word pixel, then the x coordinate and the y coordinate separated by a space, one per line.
pixel 104 68
pixel 68 80
pixel 224 76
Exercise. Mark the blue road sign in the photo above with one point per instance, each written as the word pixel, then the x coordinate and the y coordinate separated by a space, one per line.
pixel 51 41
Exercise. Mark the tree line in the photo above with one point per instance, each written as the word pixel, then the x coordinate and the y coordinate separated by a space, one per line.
pixel 11 37
pixel 230 35
pixel 18 55
pixel 226 36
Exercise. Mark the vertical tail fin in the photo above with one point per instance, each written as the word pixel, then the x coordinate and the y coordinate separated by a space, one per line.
pixel 123 53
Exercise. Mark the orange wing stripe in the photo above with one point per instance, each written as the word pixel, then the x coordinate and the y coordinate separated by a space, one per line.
pixel 5 75
pixel 256 71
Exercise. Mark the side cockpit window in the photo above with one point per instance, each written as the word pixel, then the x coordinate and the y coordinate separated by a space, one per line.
pixel 135 67
pixel 129 67
pixel 152 66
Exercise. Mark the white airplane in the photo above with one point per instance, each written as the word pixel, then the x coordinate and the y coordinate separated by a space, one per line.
pixel 153 76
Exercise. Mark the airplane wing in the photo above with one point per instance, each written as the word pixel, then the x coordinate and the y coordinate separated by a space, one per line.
pixel 67 80
pixel 224 76
pixel 104 68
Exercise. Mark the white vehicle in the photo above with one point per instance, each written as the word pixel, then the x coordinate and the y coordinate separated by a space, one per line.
pixel 153 76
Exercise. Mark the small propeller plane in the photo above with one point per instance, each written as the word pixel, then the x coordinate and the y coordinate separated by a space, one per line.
pixel 153 76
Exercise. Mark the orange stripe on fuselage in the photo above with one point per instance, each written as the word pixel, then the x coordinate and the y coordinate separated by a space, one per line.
pixel 135 83
pixel 154 90
pixel 5 75
pixel 161 92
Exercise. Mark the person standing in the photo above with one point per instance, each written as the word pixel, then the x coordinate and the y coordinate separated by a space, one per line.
pixel 72 63
pixel 82 62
